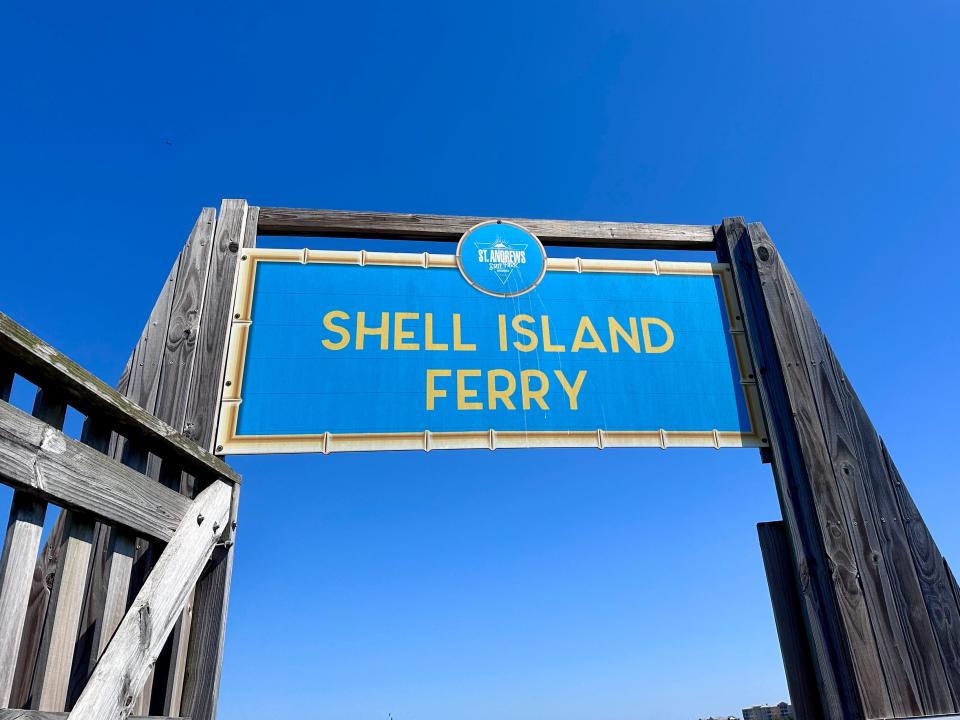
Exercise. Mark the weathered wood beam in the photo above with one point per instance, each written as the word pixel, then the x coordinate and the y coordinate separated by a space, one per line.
pixel 52 671
pixel 449 228
pixel 124 667
pixel 36 458
pixel 16 573
pixel 838 692
pixel 24 529
pixel 236 229
pixel 47 367
pixel 782 580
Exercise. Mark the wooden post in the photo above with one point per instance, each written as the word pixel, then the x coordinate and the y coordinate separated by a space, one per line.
pixel 788 615
pixel 16 570
pixel 236 229
pixel 872 647
pixel 50 408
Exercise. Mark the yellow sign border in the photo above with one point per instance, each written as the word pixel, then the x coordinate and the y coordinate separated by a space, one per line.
pixel 229 443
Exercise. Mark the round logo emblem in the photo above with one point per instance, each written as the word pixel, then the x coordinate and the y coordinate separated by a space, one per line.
pixel 501 259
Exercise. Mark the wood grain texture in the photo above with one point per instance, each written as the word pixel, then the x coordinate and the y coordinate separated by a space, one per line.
pixel 50 408
pixel 207 629
pixel 788 615
pixel 177 368
pixel 449 228
pixel 919 658
pixel 46 366
pixel 55 657
pixel 205 389
pixel 201 683
pixel 835 677
pixel 38 459
pixel 878 624
pixel 839 520
pixel 44 575
pixel 183 329
pixel 117 584
pixel 124 667
pixel 20 546
pixel 841 498
pixel 935 585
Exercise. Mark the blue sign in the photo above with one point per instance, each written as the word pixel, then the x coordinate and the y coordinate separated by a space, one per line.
pixel 344 350
pixel 501 259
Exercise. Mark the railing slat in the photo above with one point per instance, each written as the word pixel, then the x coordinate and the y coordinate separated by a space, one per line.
pixel 16 574
pixel 51 676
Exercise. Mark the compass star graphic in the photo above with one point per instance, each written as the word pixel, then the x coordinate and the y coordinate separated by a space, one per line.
pixel 503 257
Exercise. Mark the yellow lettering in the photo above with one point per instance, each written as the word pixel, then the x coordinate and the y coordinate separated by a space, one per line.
pixel 400 336
pixel 383 331
pixel 463 395
pixel 341 331
pixel 648 345
pixel 504 396
pixel 572 392
pixel 617 331
pixel 528 393
pixel 526 332
pixel 428 343
pixel 433 392
pixel 595 343
pixel 547 345
pixel 502 326
pixel 458 344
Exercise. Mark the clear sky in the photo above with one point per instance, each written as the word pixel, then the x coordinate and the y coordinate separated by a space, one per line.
pixel 518 585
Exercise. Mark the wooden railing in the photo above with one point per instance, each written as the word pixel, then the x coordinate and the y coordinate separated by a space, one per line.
pixel 55 653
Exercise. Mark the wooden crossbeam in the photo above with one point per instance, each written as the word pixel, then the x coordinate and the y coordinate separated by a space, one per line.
pixel 122 671
pixel 449 228
pixel 47 367
pixel 36 458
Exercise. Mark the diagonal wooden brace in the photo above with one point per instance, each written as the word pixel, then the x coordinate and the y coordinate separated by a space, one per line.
pixel 122 671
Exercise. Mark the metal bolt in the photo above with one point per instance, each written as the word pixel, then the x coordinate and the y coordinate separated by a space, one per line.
pixel 219 448
pixel 228 383
pixel 199 519
pixel 244 257
pixel 236 316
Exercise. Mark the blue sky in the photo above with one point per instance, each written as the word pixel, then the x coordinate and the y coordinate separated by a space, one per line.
pixel 606 585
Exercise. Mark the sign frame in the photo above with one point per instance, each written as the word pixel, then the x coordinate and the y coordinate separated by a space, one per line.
pixel 230 443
